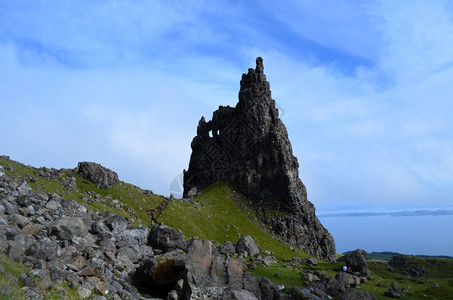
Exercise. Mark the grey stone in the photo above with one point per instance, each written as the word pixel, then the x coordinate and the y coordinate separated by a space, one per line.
pixel 239 295
pixel 20 220
pixel 73 208
pixel 267 288
pixel 67 228
pixel 10 208
pixel 24 241
pixel 138 234
pixel 6 289
pixel 16 252
pixel 166 238
pixel 394 291
pixel 83 292
pixel 44 248
pixel 247 245
pixel 203 267
pixel 248 146
pixel 102 176
pixel 227 248
pixel 116 223
pixel 347 280
pixel 310 261
pixel 24 188
pixel 130 253
pixel 357 261
pixel 53 205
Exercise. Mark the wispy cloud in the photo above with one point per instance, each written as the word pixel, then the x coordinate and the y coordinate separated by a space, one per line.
pixel 365 87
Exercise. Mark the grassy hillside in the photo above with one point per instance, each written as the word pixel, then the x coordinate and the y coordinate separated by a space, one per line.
pixel 220 214
pixel 439 284
pixel 215 216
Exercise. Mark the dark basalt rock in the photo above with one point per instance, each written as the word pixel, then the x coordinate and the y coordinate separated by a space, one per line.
pixel 248 146
pixel 357 261
pixel 404 265
pixel 98 174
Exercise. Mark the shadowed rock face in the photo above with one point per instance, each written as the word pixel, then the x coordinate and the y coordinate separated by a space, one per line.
pixel 248 146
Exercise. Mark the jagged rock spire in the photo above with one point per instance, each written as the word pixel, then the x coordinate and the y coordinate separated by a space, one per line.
pixel 248 146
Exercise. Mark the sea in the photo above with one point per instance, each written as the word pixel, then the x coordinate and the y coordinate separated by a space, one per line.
pixel 413 235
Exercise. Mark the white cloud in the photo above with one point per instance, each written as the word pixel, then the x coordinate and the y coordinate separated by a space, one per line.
pixel 129 81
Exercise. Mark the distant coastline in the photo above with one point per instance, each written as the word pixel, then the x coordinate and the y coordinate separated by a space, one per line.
pixel 403 213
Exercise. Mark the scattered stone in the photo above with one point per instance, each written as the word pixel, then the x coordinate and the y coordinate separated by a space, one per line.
pixel 310 261
pixel 394 291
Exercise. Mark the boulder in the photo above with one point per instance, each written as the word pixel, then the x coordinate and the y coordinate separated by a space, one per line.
pixel 163 271
pixel 44 248
pixel 357 261
pixel 72 208
pixel 116 223
pixel 347 280
pixel 310 261
pixel 166 238
pixel 67 228
pixel 262 287
pixel 204 268
pixel 246 246
pixel 103 177
pixel 227 248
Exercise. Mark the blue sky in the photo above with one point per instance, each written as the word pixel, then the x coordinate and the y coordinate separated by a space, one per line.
pixel 364 87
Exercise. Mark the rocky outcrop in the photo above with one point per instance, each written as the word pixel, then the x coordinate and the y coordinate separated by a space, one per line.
pixel 103 256
pixel 248 146
pixel 356 260
pixel 103 177
pixel 406 265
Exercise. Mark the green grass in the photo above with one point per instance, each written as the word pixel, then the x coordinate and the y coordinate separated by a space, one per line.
pixel 416 288
pixel 281 274
pixel 219 214
pixel 215 216
pixel 11 269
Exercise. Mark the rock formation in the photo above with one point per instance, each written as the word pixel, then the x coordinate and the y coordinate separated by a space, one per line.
pixel 357 261
pixel 248 146
pixel 98 174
